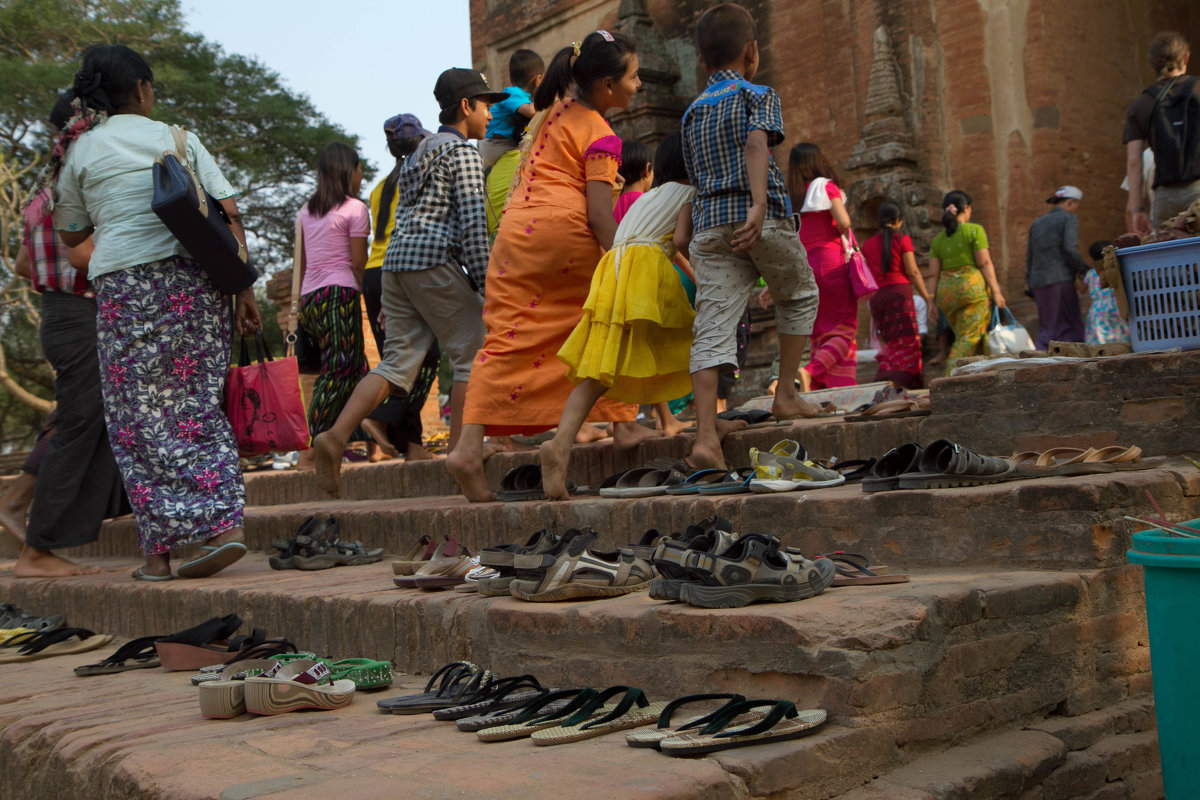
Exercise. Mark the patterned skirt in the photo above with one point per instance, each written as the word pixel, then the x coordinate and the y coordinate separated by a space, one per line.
pixel 895 320
pixel 164 336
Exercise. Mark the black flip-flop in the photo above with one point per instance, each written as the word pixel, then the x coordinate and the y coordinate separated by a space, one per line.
pixel 525 483
pixel 138 654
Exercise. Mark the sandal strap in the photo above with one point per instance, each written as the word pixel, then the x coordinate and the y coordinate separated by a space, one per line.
pixel 504 687
pixel 631 695
pixel 779 709
pixel 43 640
pixel 447 673
pixel 578 698
pixel 207 632
pixel 136 649
pixel 664 719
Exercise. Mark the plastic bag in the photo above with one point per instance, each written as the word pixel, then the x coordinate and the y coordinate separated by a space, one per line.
pixel 1006 335
pixel 264 403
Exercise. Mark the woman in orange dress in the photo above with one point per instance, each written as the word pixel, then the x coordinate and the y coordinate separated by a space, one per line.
pixel 555 228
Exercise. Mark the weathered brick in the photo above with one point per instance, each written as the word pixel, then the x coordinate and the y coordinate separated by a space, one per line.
pixel 1127 753
pixel 1079 774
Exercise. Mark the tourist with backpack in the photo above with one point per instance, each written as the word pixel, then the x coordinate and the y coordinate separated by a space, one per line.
pixel 1167 116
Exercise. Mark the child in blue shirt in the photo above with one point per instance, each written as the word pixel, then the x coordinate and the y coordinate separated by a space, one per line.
pixel 509 118
pixel 742 222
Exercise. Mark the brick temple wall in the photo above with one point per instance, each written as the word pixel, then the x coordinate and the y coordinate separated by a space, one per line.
pixel 1006 99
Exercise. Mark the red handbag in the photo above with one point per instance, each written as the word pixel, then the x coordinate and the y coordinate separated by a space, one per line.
pixel 264 403
pixel 862 280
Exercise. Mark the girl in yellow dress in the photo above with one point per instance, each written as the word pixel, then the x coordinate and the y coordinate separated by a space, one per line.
pixel 634 339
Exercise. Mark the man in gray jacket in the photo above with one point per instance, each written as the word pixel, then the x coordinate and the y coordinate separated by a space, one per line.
pixel 1052 265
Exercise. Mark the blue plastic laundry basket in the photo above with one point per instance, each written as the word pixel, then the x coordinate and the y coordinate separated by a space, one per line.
pixel 1162 281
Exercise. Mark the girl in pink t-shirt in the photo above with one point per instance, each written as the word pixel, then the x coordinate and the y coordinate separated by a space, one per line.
pixel 334 225
pixel 823 219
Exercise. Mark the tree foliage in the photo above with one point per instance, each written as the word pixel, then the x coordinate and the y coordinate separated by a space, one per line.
pixel 265 136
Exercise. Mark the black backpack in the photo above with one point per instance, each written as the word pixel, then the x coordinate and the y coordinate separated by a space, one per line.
pixel 1174 127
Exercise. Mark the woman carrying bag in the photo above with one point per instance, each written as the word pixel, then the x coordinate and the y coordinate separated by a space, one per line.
pixel 163 329
pixel 963 276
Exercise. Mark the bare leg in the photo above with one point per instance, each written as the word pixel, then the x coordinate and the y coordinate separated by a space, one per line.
pixel 15 503
pixel 458 400
pixel 706 452
pixel 788 404
pixel 465 464
pixel 378 433
pixel 667 421
pixel 35 562
pixel 805 378
pixel 556 453
pixel 330 445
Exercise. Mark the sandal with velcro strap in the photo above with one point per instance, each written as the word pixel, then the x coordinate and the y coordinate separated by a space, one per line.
pixel 755 569
pixel 946 465
pixel 781 723
pixel 671 557
pixel 579 572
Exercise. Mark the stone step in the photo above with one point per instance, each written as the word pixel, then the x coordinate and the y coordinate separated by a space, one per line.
pixel 590 464
pixel 1050 523
pixel 904 670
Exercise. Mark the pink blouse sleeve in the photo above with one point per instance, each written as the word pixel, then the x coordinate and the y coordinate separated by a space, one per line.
pixel 832 191
pixel 602 159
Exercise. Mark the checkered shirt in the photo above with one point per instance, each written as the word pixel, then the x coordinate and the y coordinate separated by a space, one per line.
pixel 50 270
pixel 441 215
pixel 715 128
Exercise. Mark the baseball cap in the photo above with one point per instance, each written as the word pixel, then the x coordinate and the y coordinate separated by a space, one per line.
pixel 1066 193
pixel 456 84
pixel 404 126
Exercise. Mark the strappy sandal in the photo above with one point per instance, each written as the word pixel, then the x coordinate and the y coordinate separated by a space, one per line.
pixel 58 642
pixel 290 548
pixel 672 557
pixel 654 736
pixel 295 686
pixel 198 646
pixel 13 617
pixel 781 723
pixel 1123 458
pixel 454 678
pixel 138 654
pixel 633 710
pixel 947 465
pixel 891 409
pixel 333 552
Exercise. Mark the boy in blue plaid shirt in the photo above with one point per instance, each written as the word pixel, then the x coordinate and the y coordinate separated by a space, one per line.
pixel 743 224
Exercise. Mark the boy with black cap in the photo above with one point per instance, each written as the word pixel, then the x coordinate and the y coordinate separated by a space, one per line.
pixel 434 268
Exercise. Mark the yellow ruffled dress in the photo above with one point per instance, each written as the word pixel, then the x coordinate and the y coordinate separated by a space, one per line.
pixel 635 335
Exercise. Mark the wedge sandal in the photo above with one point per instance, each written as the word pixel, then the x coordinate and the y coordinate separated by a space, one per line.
pixel 781 723
pixel 298 685
pixel 633 710
pixel 225 696
pixel 198 646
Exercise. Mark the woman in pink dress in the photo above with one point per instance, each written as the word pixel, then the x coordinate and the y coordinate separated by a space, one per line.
pixel 823 219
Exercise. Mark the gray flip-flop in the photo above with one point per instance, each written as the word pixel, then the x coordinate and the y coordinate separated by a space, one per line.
pixel 213 561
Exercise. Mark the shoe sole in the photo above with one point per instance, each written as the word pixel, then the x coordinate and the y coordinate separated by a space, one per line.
pixel 666 588
pixel 267 698
pixel 220 700
pixel 919 481
pixel 697 594
pixel 570 591
pixel 212 563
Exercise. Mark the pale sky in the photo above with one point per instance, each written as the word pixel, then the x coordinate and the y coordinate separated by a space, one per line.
pixel 358 61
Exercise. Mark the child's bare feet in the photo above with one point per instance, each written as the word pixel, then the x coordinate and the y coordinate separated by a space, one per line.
pixel 415 452
pixel 590 433
pixel 793 408
pixel 706 455
pixel 468 471
pixel 728 426
pixel 510 445
pixel 328 452
pixel 628 435
pixel 555 460
pixel 378 433
pixel 37 563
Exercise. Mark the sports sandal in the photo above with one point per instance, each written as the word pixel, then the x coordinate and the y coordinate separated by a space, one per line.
pixel 545 712
pixel 225 696
pixel 58 642
pixel 418 554
pixel 755 569
pixel 138 654
pixel 502 694
pixel 855 569
pixel 652 737
pixel 672 557
pixel 456 680
pixel 947 465
pixel 290 548
pixel 585 724
pixel 782 722
pixel 579 572
pixel 199 646
pixel 787 468
pixel 13 617
pixel 885 475
pixel 338 553
pixel 291 687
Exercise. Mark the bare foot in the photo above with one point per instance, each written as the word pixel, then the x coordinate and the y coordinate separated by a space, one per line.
pixel 728 426
pixel 707 456
pixel 793 408
pixel 415 452
pixel 555 460
pixel 491 448
pixel 306 461
pixel 469 474
pixel 671 426
pixel 629 435
pixel 511 445
pixel 378 433
pixel 37 563
pixel 231 535
pixel 329 462
pixel 158 565
pixel 590 433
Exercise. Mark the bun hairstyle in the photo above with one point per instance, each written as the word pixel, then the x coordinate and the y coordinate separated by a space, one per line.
pixel 953 204
pixel 668 160
pixel 335 168
pixel 889 214
pixel 601 55
pixel 108 77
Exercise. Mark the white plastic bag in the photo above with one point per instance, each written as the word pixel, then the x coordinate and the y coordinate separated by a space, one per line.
pixel 1006 335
